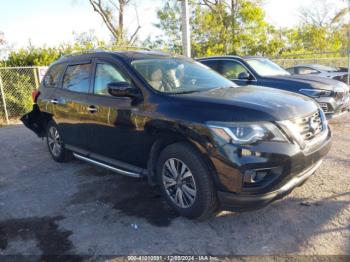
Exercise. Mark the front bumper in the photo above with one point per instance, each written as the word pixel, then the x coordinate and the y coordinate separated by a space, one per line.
pixel 332 108
pixel 293 166
pixel 235 202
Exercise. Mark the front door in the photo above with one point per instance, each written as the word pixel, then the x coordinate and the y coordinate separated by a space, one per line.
pixel 117 124
pixel 232 70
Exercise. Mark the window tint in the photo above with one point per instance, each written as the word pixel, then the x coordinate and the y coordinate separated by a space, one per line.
pixel 291 70
pixel 231 69
pixel 306 71
pixel 213 64
pixel 76 78
pixel 52 77
pixel 106 74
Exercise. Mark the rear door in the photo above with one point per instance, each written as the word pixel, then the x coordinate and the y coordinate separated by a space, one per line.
pixel 70 105
pixel 35 120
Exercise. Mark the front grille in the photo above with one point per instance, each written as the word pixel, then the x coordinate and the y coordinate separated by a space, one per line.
pixel 309 126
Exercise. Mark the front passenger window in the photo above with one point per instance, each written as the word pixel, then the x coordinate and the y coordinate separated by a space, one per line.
pixel 106 74
pixel 232 69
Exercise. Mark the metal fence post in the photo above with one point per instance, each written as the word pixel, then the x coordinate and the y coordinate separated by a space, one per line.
pixel 36 80
pixel 4 100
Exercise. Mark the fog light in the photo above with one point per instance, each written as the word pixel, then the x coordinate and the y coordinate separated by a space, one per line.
pixel 324 107
pixel 253 176
pixel 249 176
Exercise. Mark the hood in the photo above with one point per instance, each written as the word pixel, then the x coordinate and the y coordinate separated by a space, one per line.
pixel 258 102
pixel 334 74
pixel 296 82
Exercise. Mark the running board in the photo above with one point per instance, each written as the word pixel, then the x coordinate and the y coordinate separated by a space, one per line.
pixel 114 169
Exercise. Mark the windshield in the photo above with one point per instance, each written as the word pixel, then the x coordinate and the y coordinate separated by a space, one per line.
pixel 266 67
pixel 179 75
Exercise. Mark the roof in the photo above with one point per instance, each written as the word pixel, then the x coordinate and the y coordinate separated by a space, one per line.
pixel 231 56
pixel 215 57
pixel 126 55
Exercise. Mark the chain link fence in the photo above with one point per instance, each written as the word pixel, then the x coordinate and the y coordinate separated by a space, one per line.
pixel 327 61
pixel 16 86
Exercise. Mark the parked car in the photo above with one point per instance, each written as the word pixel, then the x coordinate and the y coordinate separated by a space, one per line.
pixel 207 143
pixel 319 70
pixel 332 95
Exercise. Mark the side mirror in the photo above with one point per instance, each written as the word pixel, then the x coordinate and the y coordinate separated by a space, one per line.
pixel 244 76
pixel 122 89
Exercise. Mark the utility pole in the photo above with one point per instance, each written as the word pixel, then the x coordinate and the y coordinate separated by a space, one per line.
pixel 186 34
pixel 348 78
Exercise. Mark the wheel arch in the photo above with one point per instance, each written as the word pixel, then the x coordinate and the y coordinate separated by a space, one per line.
pixel 169 137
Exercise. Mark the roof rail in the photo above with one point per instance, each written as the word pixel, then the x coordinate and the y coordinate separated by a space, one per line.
pixel 82 52
pixel 90 51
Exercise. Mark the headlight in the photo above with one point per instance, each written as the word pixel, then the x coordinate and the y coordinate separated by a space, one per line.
pixel 246 133
pixel 341 92
pixel 315 92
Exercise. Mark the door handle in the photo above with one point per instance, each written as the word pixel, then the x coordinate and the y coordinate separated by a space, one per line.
pixel 54 101
pixel 92 109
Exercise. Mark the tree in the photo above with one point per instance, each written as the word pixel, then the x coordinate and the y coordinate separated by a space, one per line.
pixel 112 13
pixel 222 27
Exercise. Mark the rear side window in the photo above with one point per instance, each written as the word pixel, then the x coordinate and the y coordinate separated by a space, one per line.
pixel 77 78
pixel 53 76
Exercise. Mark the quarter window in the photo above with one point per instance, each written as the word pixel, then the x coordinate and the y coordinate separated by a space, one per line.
pixel 232 69
pixel 76 78
pixel 106 74
pixel 52 78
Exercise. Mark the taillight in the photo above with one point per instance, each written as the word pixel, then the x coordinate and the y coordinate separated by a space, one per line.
pixel 35 95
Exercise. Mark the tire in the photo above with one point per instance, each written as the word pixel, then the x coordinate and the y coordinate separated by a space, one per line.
pixel 55 143
pixel 193 179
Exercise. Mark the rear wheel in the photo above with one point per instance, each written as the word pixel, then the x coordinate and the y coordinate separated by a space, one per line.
pixel 55 144
pixel 186 181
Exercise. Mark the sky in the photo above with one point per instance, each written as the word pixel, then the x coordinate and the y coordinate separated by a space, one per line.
pixel 51 22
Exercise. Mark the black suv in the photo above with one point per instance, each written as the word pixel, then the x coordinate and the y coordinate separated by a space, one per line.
pixel 207 143
pixel 332 95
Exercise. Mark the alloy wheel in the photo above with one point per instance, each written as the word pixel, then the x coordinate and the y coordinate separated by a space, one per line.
pixel 54 141
pixel 179 183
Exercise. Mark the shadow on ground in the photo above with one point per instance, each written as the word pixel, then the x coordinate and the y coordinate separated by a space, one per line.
pixel 134 197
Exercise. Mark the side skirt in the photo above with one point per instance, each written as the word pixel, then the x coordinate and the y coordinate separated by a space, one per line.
pixel 109 167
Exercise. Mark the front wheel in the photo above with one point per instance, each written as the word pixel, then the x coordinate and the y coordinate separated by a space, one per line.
pixel 55 144
pixel 186 181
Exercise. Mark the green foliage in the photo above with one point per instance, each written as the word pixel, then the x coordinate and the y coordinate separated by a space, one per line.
pixel 222 27
pixel 239 27
pixel 18 87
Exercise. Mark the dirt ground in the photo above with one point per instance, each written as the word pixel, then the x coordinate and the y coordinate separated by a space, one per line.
pixel 74 208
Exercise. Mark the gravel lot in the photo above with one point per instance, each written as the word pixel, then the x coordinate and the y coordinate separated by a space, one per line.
pixel 75 208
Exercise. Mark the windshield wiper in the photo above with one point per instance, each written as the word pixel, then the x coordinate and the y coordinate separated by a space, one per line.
pixel 185 92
